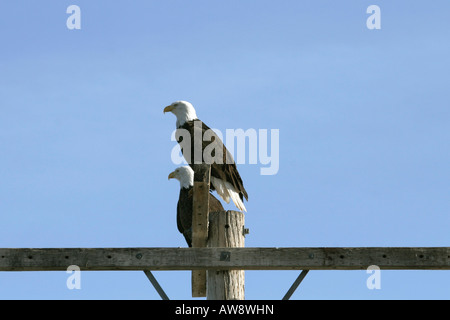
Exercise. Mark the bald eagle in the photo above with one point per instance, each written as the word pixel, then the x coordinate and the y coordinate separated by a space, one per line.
pixel 185 175
pixel 225 178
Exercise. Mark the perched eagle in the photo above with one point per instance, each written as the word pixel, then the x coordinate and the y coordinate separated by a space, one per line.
pixel 225 178
pixel 184 207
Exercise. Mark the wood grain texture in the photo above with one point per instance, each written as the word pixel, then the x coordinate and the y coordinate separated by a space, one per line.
pixel 226 231
pixel 387 258
pixel 200 209
pixel 200 220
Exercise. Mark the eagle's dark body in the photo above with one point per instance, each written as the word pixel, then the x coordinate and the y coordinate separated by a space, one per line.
pixel 184 212
pixel 224 171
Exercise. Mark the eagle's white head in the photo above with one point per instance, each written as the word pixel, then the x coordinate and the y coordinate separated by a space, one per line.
pixel 183 110
pixel 185 175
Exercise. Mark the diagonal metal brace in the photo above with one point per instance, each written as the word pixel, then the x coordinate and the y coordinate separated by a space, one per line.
pixel 155 284
pixel 295 285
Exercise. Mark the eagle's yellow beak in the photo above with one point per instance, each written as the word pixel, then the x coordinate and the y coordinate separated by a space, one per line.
pixel 171 175
pixel 168 108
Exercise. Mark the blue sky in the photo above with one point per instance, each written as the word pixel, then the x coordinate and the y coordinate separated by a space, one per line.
pixel 363 117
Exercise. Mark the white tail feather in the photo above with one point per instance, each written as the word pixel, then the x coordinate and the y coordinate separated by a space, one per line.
pixel 220 188
pixel 226 191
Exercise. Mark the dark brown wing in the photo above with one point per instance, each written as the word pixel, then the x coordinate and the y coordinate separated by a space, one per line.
pixel 224 171
pixel 184 214
pixel 214 204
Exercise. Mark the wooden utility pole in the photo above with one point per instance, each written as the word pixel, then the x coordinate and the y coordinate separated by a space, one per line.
pixel 200 219
pixel 226 230
pixel 138 259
